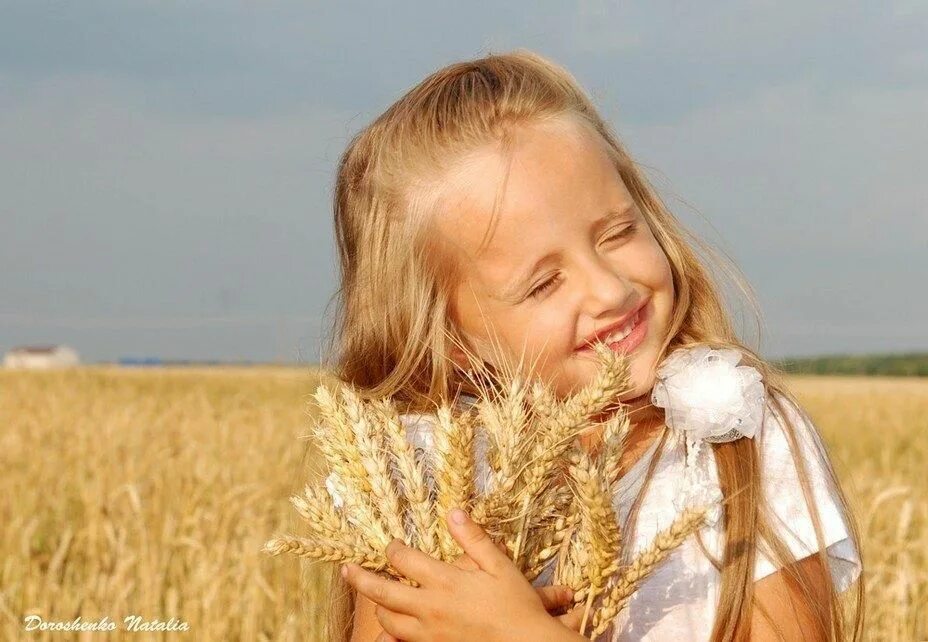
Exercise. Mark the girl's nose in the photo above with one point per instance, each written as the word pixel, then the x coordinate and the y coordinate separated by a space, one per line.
pixel 606 289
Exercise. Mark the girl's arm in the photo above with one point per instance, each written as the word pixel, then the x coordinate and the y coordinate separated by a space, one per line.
pixel 789 612
pixel 490 602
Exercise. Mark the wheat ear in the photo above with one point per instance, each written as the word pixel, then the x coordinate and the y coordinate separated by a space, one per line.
pixel 369 441
pixel 412 476
pixel 615 433
pixel 618 593
pixel 336 440
pixel 558 430
pixel 454 473
pixel 327 549
pixel 600 529
pixel 565 515
pixel 612 379
pixel 504 422
pixel 316 508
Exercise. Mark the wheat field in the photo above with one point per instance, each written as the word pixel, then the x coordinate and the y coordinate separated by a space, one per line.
pixel 150 493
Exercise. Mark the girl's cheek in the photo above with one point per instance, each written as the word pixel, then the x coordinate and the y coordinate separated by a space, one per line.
pixel 553 329
pixel 539 338
pixel 656 264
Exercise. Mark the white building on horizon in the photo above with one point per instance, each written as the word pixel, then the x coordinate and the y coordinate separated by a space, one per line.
pixel 41 357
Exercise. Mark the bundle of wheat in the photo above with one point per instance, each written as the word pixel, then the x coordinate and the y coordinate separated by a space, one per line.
pixel 546 498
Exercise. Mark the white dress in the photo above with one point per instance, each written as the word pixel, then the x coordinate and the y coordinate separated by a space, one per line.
pixel 677 602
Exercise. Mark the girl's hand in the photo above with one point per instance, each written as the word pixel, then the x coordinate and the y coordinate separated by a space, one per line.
pixel 492 602
pixel 555 598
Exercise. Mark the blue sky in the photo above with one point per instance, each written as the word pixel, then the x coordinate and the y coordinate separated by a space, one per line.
pixel 166 167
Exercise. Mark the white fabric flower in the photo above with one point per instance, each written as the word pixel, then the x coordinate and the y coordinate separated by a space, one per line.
pixel 708 396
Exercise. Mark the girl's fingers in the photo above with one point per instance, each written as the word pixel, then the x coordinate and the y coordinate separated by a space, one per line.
pixel 573 618
pixel 386 637
pixel 379 590
pixel 478 545
pixel 403 627
pixel 465 563
pixel 415 564
pixel 555 597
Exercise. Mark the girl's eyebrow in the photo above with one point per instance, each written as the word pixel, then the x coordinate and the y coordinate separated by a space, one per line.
pixel 515 286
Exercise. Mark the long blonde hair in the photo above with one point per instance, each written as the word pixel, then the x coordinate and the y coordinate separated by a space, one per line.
pixel 394 315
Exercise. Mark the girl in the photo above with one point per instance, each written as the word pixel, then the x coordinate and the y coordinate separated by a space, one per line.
pixel 492 212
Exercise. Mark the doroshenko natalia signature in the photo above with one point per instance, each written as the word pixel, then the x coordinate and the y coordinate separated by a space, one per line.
pixel 132 623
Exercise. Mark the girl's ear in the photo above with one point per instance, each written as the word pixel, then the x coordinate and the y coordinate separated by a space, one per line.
pixel 459 358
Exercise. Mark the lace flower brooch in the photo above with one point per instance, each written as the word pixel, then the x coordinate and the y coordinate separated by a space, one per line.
pixel 707 398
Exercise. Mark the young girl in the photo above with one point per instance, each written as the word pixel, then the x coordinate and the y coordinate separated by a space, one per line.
pixel 492 209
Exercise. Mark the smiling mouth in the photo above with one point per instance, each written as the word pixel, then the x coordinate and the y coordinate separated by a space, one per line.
pixel 617 335
pixel 628 337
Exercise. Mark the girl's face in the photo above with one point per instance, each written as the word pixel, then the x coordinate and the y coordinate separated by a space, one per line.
pixel 571 255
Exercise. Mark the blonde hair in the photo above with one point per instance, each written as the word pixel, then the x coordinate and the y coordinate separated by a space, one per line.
pixel 394 323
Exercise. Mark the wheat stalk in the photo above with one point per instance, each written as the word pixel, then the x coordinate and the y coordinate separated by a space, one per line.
pixel 570 418
pixel 560 512
pixel 615 433
pixel 321 516
pixel 505 423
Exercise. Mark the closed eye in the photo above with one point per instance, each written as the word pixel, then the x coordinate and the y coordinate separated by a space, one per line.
pixel 551 282
pixel 628 231
pixel 544 287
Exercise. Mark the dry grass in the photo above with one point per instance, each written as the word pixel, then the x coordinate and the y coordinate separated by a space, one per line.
pixel 877 433
pixel 152 493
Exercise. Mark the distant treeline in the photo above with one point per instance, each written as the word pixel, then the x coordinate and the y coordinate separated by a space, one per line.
pixel 913 364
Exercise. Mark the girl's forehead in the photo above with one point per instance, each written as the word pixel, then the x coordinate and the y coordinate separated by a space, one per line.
pixel 496 208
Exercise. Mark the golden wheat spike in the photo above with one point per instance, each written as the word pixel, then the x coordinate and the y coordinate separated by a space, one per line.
pixel 369 441
pixel 615 434
pixel 505 423
pixel 599 528
pixel 326 549
pixel 337 440
pixel 454 473
pixel 612 379
pixel 622 588
pixel 412 479
pixel 334 440
pixel 321 516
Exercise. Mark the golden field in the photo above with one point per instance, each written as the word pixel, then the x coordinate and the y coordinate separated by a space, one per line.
pixel 151 493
